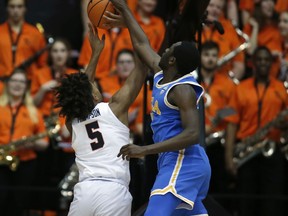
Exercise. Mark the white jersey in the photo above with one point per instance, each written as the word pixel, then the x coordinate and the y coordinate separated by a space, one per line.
pixel 97 142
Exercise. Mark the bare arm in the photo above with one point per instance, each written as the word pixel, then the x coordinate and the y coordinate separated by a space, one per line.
pixel 45 88
pixel 232 12
pixel 84 16
pixel 140 41
pixel 238 69
pixel 229 147
pixel 122 99
pixel 184 97
pixel 97 46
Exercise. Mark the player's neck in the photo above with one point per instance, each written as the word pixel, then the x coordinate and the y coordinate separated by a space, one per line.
pixel 169 75
pixel 16 25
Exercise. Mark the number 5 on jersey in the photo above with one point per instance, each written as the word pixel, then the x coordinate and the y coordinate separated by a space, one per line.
pixel 94 134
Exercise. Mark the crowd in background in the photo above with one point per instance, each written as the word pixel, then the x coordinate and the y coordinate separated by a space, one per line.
pixel 243 94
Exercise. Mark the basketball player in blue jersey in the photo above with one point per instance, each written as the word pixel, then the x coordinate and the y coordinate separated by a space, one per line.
pixel 184 170
pixel 99 130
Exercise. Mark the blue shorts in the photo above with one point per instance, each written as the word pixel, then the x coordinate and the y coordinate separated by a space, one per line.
pixel 186 175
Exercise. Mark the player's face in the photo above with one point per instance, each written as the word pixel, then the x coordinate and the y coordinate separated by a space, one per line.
pixel 215 9
pixel 17 85
pixel 283 24
pixel 209 59
pixel 125 64
pixel 59 54
pixel 262 63
pixel 16 10
pixel 166 56
pixel 148 6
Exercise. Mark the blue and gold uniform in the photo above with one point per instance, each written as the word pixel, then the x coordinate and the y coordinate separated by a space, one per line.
pixel 184 173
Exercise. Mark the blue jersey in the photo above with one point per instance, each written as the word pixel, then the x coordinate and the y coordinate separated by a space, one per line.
pixel 184 173
pixel 166 120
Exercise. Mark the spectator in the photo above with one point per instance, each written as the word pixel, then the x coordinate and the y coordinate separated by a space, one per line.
pixel 125 63
pixel 43 80
pixel 262 28
pixel 227 42
pixel 19 117
pixel 19 40
pixel 257 101
pixel 217 99
pixel 283 27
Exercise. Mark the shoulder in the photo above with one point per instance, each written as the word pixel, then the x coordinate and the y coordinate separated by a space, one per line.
pixel 3 27
pixel 181 92
pixel 31 29
pixel 43 73
pixel 157 20
pixel 277 84
pixel 224 80
pixel 246 83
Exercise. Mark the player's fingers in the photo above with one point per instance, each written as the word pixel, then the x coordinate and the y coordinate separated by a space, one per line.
pixel 112 15
pixel 122 151
pixel 109 19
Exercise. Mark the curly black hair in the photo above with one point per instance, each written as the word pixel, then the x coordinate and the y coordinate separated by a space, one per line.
pixel 74 96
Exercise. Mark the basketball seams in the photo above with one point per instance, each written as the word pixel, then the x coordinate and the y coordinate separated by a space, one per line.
pixel 94 6
pixel 103 13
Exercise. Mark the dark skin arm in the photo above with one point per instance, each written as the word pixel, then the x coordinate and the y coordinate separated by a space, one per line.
pixel 139 39
pixel 97 46
pixel 122 99
pixel 184 97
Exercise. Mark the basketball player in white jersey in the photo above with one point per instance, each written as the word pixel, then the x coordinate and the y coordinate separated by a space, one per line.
pixel 98 131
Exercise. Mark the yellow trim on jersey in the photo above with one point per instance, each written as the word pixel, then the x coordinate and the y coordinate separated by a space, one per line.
pixel 163 191
pixel 177 167
pixel 170 187
pixel 172 190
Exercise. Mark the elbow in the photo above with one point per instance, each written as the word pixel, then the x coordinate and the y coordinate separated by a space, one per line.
pixel 192 137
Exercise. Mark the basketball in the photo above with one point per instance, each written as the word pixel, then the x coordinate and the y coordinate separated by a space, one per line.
pixel 96 10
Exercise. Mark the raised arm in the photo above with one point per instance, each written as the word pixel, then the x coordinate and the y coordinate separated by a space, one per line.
pixel 140 41
pixel 97 46
pixel 122 100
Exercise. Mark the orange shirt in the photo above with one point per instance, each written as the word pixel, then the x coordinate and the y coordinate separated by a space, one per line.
pixel 139 118
pixel 110 85
pixel 30 41
pixel 227 42
pixel 1 87
pixel 155 30
pixel 39 78
pixel 249 5
pixel 220 90
pixel 132 4
pixel 114 42
pixel 270 37
pixel 245 103
pixel 65 141
pixel 23 127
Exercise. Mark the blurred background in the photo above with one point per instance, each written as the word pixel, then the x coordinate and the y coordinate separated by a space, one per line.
pixel 244 72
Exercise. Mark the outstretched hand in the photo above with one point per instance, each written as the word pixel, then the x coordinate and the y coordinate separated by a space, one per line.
pixel 95 42
pixel 132 151
pixel 113 20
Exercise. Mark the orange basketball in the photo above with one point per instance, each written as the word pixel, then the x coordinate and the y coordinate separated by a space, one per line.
pixel 96 10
